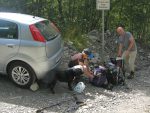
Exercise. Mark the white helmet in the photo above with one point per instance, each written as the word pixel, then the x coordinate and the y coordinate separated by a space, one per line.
pixel 79 87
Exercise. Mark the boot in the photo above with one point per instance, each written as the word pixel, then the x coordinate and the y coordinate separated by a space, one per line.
pixel 131 76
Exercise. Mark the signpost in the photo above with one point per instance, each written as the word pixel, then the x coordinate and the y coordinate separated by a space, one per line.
pixel 103 5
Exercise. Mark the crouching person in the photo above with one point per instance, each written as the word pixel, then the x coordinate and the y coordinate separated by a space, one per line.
pixel 82 59
pixel 71 75
pixel 84 69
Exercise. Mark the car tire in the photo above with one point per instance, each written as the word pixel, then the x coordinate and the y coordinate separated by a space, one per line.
pixel 21 74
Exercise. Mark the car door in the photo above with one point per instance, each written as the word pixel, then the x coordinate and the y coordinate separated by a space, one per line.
pixel 9 43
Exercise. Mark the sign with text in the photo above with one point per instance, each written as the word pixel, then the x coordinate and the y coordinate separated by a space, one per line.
pixel 102 4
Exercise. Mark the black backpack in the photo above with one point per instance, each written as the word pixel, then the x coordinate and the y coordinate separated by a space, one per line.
pixel 113 75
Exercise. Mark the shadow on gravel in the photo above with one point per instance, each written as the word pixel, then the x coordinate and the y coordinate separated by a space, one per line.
pixel 11 94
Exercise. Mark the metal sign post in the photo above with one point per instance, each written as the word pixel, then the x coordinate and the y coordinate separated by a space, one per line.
pixel 103 5
pixel 103 43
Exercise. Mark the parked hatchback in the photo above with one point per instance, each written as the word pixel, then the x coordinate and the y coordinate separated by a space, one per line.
pixel 30 47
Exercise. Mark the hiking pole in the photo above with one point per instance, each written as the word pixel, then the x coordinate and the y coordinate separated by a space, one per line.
pixel 73 108
pixel 55 104
pixel 76 106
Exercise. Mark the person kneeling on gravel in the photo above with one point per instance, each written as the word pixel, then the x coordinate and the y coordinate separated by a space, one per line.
pixel 79 58
pixel 85 69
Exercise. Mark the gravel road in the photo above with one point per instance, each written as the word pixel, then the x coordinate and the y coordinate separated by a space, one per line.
pixel 98 100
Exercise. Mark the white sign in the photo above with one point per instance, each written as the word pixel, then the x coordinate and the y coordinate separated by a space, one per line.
pixel 102 4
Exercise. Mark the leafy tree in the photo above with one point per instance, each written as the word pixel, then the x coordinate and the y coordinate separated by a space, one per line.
pixel 83 16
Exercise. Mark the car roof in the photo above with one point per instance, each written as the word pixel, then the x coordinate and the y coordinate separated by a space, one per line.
pixel 20 18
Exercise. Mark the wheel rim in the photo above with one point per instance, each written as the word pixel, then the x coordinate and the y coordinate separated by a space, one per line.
pixel 20 75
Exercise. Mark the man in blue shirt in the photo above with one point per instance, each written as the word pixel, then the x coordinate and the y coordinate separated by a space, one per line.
pixel 127 49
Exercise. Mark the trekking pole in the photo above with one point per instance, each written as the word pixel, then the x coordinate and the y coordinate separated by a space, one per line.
pixel 73 108
pixel 124 71
pixel 74 97
pixel 55 104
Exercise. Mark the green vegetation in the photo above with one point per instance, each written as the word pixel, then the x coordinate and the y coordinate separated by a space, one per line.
pixel 77 17
pixel 74 34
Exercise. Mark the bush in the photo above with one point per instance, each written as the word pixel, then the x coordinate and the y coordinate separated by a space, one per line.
pixel 73 33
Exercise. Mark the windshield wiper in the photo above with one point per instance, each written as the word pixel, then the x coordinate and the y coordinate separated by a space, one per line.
pixel 53 37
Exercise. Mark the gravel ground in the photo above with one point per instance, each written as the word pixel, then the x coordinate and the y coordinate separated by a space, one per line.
pixel 136 99
pixel 98 100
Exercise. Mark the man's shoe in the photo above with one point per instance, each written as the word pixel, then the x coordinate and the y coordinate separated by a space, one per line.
pixel 131 76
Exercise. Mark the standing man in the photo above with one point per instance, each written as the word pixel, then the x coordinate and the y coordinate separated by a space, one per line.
pixel 127 49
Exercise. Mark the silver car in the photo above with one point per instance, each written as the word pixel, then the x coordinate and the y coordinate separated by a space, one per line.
pixel 30 47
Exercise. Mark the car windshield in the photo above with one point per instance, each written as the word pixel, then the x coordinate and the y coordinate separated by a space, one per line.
pixel 47 30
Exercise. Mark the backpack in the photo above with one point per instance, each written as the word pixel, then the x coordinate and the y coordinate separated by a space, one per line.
pixel 112 74
pixel 99 79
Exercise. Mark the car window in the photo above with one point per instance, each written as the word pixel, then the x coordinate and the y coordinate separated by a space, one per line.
pixel 46 30
pixel 8 30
